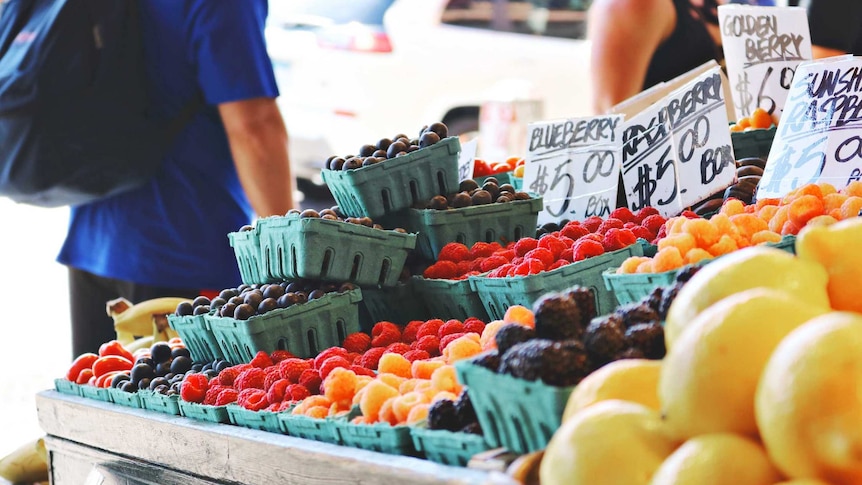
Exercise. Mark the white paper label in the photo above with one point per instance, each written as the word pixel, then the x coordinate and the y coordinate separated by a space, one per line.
pixel 762 47
pixel 819 137
pixel 574 164
pixel 467 159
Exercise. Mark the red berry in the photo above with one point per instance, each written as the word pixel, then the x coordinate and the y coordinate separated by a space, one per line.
pixel 253 378
pixel 431 327
pixel 275 393
pixel 641 232
pixel 408 336
pixel 387 338
pixel 227 376
pixel 330 352
pixel 428 343
pixel 357 342
pixel 542 254
pixel 587 248
pixel 644 213
pixel 454 252
pixel 609 224
pixel 362 371
pixel 618 239
pixel 333 363
pixel 450 327
pixel 252 399
pixel 261 360
pixel 553 244
pixel 212 395
pixel 371 357
pixel 310 378
pixel 280 355
pixel 226 396
pixel 398 348
pixel 194 388
pixel 441 270
pixel 558 264
pixel 574 232
pixel 482 249
pixel 474 325
pixel 296 392
pixel 592 223
pixel 445 341
pixel 654 223
pixel 417 355
pixel 623 214
pixel 291 369
pixel 271 377
pixel 525 245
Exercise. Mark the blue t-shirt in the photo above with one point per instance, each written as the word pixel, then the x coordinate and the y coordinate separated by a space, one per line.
pixel 172 232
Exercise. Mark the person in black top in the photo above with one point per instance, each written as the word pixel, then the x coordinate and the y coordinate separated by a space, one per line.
pixel 639 43
pixel 836 26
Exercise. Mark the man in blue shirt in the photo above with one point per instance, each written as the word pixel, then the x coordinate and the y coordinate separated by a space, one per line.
pixel 169 237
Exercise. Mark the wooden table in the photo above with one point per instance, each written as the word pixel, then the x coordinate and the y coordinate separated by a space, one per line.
pixel 91 442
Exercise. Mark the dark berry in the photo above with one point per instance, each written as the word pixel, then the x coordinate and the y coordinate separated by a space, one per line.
pixel 181 351
pixel 472 428
pixel 181 365
pixel 635 313
pixel 185 308
pixel 653 300
pixel 556 363
pixel 443 415
pixel 586 300
pixel 160 352
pixel 668 296
pixel 604 338
pixel 512 334
pixel 201 301
pixel 558 317
pixel 465 410
pixel 490 360
pixel 685 274
pixel 648 338
pixel 630 353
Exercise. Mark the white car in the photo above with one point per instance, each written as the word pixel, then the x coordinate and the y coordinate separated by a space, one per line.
pixel 353 71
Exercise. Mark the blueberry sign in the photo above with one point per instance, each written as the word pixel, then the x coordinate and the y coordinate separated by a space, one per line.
pixel 574 164
pixel 763 46
pixel 678 151
pixel 819 136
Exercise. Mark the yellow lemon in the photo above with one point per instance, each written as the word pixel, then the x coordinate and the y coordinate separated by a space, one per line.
pixel 717 459
pixel 752 267
pixel 709 377
pixel 809 400
pixel 836 248
pixel 634 380
pixel 804 481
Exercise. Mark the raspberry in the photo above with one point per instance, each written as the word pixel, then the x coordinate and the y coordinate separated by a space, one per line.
pixel 261 360
pixel 352 356
pixel 592 237
pixel 226 396
pixel 394 364
pixel 340 385
pixel 330 352
pixel 387 338
pixel 252 399
pixel 296 392
pixel 250 379
pixel 554 244
pixel 399 348
pixel 194 388
pixel 415 355
pixel 653 223
pixel 333 363
pixel 372 357
pixel 592 223
pixel 690 214
pixel 623 213
pixel 380 327
pixel 662 232
pixel 609 224
pixel 482 249
pixel 574 232
pixel 587 248
pixel 641 232
pixel 454 252
pixel 227 376
pixel 431 327
pixel 542 254
pixel 477 264
pixel 273 408
pixel 558 264
pixel 310 378
pixel 509 254
pixel 445 341
pixel 284 406
pixel 291 369
pixel 644 213
pixel 450 327
pixel 530 266
pixel 271 377
pixel 492 262
pixel 357 342
pixel 474 325
pixel 525 245
pixel 362 371
pixel 276 392
pixel 617 239
pixel 358 359
pixel 501 272
pixel 280 355
pixel 428 343
pixel 213 382
pixel 424 369
pixel 212 395
pixel 375 395
pixel 408 336
pixel 464 267
pixel 462 348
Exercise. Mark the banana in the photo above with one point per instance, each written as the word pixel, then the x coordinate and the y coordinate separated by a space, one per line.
pixel 138 320
pixel 27 464
pixel 141 343
pixel 747 170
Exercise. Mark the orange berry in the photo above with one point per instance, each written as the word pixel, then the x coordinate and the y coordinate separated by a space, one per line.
pixel 761 203
pixel 393 363
pixel 731 207
pixel 853 189
pixel 630 265
pixel 362 381
pixel 765 237
pixel 310 402
pixel 451 396
pixel 779 218
pixel 683 242
pixel 422 369
pixel 810 189
pixel 767 212
pixel 487 340
pixel 391 380
pixel 408 386
pixel 724 245
pixel 697 255
pixel 402 405
pixel 790 228
pixel 804 208
pixel 744 122
pixel 373 396
pixel 444 379
pixel 736 128
pixel 418 413
pixel 748 224
pixel 822 221
pixel 646 266
pixel 386 413
pixel 667 259
pixel 340 385
pixel 424 386
pixel 834 201
pixel 317 412
pixel 760 118
pixel 851 207
pixel 827 188
pixel 461 348
pixel 722 224
pixel 520 314
pixel 705 234
pixel 674 225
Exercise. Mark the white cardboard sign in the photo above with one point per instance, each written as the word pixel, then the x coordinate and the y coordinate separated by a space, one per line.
pixel 678 151
pixel 819 137
pixel 467 159
pixel 763 46
pixel 574 164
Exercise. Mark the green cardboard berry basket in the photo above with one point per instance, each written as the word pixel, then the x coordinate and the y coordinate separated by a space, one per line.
pixel 197 337
pixel 304 329
pixel 261 420
pixel 502 178
pixel 450 299
pixel 498 294
pixel 447 447
pixel 97 393
pixel 249 258
pixel 161 403
pixel 123 398
pixel 399 304
pixel 503 223
pixel 204 412
pixel 397 183
pixel 381 437
pixel 65 386
pixel 308 428
pixel 753 143
pixel 517 414
pixel 328 250
pixel 518 182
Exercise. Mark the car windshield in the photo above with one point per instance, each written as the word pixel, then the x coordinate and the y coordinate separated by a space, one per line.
pixel 368 12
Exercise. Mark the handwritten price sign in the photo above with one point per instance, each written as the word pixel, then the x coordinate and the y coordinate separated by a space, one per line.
pixel 467 159
pixel 819 137
pixel 763 46
pixel 574 165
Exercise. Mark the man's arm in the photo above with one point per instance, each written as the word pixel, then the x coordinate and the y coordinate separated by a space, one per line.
pixel 258 143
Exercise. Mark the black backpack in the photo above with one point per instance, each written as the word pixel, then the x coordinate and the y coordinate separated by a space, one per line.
pixel 74 125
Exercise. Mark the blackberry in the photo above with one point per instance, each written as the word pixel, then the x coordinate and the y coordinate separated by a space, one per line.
pixel 586 301
pixel 490 361
pixel 511 334
pixel 557 317
pixel 630 353
pixel 648 338
pixel 604 338
pixel 654 299
pixel 442 415
pixel 668 296
pixel 465 410
pixel 555 363
pixel 635 313
pixel 472 428
pixel 685 274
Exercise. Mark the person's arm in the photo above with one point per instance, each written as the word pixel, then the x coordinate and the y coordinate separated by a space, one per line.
pixel 258 143
pixel 624 35
pixel 835 26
